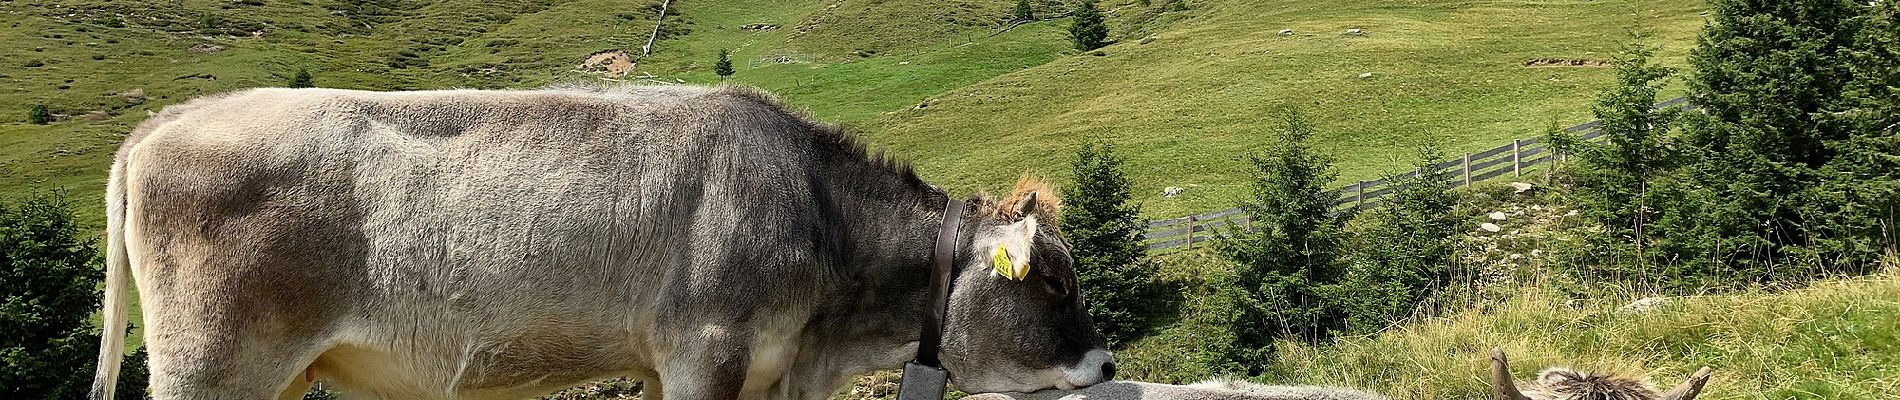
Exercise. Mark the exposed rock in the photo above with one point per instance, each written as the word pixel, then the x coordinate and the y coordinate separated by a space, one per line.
pixel 1521 187
pixel 96 116
pixel 1499 216
pixel 205 48
pixel 613 63
pixel 758 27
pixel 1646 304
pixel 1286 32
pixel 133 97
pixel 1367 75
pixel 1356 32
pixel 1490 227
pixel 1172 191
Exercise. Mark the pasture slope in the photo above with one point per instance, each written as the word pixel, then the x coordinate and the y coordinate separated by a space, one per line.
pixel 1187 90
pixel 103 65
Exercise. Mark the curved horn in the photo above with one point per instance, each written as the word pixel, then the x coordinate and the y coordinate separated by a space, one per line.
pixel 1689 388
pixel 1501 382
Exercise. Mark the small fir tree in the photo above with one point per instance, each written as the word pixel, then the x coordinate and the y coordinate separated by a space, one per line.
pixel 1403 251
pixel 724 66
pixel 1293 251
pixel 39 115
pixel 300 80
pixel 1103 227
pixel 1089 30
pixel 1614 179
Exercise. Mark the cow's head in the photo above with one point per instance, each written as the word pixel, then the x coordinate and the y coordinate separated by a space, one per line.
pixel 1566 384
pixel 1016 320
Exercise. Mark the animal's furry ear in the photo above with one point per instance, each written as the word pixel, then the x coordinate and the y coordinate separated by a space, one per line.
pixel 1032 196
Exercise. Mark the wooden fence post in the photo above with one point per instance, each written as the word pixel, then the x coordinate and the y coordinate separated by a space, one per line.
pixel 1359 200
pixel 1517 163
pixel 1467 167
pixel 1190 233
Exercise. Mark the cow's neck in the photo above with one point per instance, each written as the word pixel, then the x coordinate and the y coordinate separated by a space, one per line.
pixel 882 241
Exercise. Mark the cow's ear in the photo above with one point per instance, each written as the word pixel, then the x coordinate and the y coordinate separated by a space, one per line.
pixel 1027 206
pixel 1010 248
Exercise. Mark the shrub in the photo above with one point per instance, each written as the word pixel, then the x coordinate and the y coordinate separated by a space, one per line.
pixel 723 67
pixel 300 80
pixel 1402 252
pixel 1104 231
pixel 1024 12
pixel 39 115
pixel 1089 31
pixel 1613 180
pixel 51 271
pixel 1293 251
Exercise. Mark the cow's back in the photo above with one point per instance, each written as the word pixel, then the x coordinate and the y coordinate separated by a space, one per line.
pixel 516 235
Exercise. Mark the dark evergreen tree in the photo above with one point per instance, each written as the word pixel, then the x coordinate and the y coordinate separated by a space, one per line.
pixel 1293 250
pixel 1613 178
pixel 300 80
pixel 51 271
pixel 724 66
pixel 1771 79
pixel 1104 229
pixel 39 115
pixel 1403 251
pixel 1024 12
pixel 1089 30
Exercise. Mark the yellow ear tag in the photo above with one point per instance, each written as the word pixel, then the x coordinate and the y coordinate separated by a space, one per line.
pixel 1000 262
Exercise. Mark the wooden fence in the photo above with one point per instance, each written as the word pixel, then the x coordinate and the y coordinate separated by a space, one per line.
pixel 1513 159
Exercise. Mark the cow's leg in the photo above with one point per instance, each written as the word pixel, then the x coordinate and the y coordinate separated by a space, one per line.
pixel 219 346
pixel 223 366
pixel 710 366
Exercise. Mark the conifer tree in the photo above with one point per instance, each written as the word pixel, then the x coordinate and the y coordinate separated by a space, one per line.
pixel 1294 250
pixel 724 66
pixel 1104 229
pixel 1024 12
pixel 300 80
pixel 1089 31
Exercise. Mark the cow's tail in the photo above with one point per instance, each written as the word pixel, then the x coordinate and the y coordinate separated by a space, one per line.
pixel 112 338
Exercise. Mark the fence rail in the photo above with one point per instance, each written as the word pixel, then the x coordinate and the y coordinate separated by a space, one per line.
pixel 1514 159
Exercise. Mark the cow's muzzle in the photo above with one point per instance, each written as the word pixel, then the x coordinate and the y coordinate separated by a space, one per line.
pixel 1097 366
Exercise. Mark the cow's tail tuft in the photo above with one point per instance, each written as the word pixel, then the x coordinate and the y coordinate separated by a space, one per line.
pixel 113 317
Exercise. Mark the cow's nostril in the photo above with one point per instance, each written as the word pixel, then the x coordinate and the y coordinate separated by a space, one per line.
pixel 1108 371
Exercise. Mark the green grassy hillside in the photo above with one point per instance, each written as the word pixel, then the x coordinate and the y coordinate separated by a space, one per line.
pixel 105 64
pixel 1202 87
pixel 1834 340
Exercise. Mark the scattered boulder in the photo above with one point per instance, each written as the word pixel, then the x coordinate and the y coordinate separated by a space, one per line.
pixel 1286 32
pixel 758 27
pixel 1521 187
pixel 133 97
pixel 1172 191
pixel 205 48
pixel 1490 227
pixel 1367 75
pixel 1499 216
pixel 1356 32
